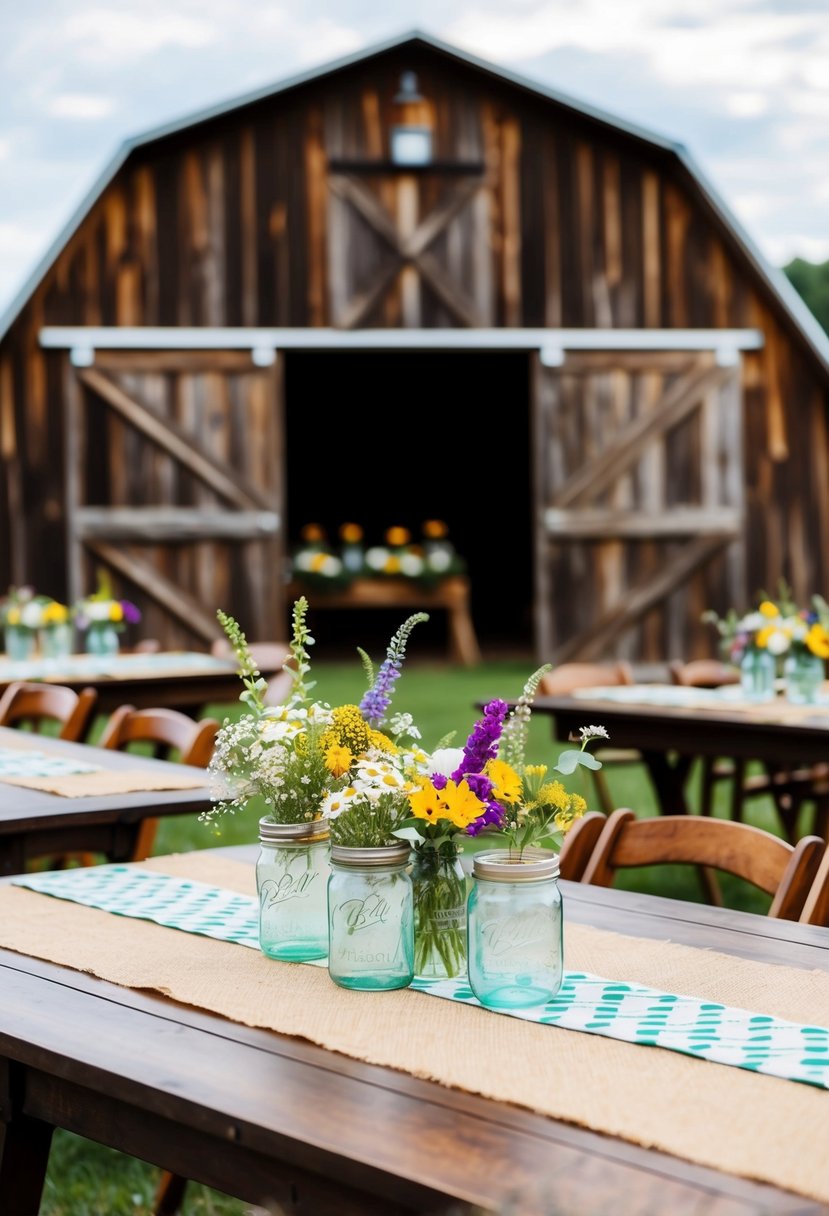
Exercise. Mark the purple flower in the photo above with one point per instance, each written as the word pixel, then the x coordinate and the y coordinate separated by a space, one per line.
pixel 132 615
pixel 494 814
pixel 482 744
pixel 377 699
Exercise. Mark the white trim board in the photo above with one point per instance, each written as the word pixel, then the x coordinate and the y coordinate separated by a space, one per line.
pixel 552 343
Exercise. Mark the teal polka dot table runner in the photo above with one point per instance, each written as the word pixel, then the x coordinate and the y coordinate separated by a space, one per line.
pixel 630 1012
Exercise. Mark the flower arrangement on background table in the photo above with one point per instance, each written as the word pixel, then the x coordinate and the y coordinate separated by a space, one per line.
pixel 777 639
pixel 101 617
pixel 319 563
pixel 30 620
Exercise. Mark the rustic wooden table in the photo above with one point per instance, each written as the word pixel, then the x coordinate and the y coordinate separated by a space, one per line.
pixel 187 681
pixel 275 1119
pixel 670 738
pixel 450 594
pixel 34 823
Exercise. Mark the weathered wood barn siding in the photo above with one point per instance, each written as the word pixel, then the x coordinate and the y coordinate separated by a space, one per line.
pixel 251 218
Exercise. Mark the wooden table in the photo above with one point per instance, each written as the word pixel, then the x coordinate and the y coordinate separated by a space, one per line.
pixel 34 823
pixel 450 594
pixel 670 738
pixel 267 1117
pixel 187 681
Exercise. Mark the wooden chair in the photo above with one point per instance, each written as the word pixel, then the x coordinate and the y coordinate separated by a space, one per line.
pixel 271 656
pixel 782 870
pixel 167 730
pixel 579 844
pixel 39 703
pixel 570 676
pixel 816 908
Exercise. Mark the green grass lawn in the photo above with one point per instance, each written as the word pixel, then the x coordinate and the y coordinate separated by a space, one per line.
pixel 85 1179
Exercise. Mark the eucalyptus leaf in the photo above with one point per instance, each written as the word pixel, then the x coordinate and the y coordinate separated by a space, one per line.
pixel 408 833
pixel 572 759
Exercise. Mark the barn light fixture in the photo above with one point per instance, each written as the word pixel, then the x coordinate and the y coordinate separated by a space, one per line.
pixel 411 138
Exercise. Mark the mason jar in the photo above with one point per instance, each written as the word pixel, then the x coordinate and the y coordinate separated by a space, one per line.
pixel 291 875
pixel 516 956
pixel 370 918
pixel 56 641
pixel 758 669
pixel 19 643
pixel 439 889
pixel 804 675
pixel 102 639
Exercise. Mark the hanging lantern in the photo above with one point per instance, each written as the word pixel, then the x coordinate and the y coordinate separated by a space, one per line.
pixel 411 138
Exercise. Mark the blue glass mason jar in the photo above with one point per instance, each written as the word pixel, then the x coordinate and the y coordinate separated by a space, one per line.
pixel 291 876
pixel 516 954
pixel 56 641
pixel 804 674
pixel 102 639
pixel 19 643
pixel 758 669
pixel 370 918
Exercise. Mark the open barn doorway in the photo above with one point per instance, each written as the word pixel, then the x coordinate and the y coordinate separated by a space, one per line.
pixel 396 438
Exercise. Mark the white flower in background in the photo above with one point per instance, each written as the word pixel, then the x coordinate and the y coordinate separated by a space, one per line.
pixel 411 565
pixel 403 724
pixel 445 760
pixel 303 559
pixel 752 622
pixel 30 615
pixel 376 557
pixel 331 566
pixel 97 610
pixel 779 642
pixel 439 561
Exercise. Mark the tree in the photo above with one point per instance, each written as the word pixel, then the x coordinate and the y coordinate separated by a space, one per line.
pixel 811 281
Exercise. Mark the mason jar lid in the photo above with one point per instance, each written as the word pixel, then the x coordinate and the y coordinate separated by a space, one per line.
pixel 386 855
pixel 301 833
pixel 536 865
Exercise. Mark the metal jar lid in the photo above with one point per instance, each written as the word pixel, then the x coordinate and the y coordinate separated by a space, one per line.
pixel 286 833
pixel 386 855
pixel 536 865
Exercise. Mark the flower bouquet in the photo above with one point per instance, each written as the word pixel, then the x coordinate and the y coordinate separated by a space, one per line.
pixel 102 617
pixel 316 564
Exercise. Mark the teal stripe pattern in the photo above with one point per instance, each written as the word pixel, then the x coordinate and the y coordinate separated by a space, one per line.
pixel 587 1003
pixel 21 762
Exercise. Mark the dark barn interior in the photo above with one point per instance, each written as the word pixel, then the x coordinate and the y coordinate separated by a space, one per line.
pixel 401 437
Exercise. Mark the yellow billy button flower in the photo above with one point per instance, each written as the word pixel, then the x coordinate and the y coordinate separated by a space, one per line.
pixel 768 609
pixel 55 614
pixel 338 760
pixel 116 612
pixel 762 637
pixel 506 784
pixel 13 616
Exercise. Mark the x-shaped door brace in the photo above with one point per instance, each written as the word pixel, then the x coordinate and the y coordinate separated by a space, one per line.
pixel 409 250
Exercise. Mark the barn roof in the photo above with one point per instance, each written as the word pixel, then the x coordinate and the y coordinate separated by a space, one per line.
pixel 774 280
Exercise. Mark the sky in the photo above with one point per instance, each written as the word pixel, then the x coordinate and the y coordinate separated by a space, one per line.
pixel 744 84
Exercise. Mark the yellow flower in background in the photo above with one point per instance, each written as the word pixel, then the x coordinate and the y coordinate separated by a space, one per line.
pixel 317 562
pixel 377 739
pixel 435 529
pixel 768 609
pixel 506 784
pixel 116 612
pixel 392 564
pixel 13 616
pixel 398 536
pixel 817 639
pixel 348 729
pixel 312 533
pixel 351 534
pixel 55 614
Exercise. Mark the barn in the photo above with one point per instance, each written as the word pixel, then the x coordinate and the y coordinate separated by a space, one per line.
pixel 407 285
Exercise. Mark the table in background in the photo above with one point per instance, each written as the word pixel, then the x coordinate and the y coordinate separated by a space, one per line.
pixel 34 823
pixel 671 735
pixel 274 1117
pixel 450 594
pixel 183 680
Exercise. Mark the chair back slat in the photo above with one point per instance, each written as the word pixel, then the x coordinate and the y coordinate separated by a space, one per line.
pixel 703 673
pixel 166 729
pixel 816 908
pixel 38 703
pixel 579 844
pixel 784 871
pixel 569 676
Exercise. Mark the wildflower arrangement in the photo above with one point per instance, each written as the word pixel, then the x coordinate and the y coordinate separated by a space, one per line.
pixel 102 608
pixel 777 626
pixel 23 609
pixel 321 564
pixel 305 760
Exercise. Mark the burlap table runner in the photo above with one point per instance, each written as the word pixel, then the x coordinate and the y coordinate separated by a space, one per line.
pixel 743 1123
pixel 109 781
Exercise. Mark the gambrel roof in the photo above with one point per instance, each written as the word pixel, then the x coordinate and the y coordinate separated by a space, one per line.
pixel 775 282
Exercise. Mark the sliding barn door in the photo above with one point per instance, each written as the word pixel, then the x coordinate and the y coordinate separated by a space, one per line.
pixel 639 503
pixel 175 486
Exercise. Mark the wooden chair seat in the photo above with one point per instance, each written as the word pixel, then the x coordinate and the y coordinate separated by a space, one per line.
pixel 40 703
pixel 784 871
pixel 566 679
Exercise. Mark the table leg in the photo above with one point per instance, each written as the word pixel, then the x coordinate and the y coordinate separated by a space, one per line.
pixel 668 776
pixel 24 1148
pixel 12 855
pixel 463 641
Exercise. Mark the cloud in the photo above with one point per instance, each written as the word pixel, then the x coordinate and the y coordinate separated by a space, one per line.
pixel 111 35
pixel 80 105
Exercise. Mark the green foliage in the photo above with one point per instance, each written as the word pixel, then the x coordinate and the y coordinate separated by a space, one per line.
pixel 300 641
pixel 368 666
pixel 255 686
pixel 811 281
pixel 514 735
